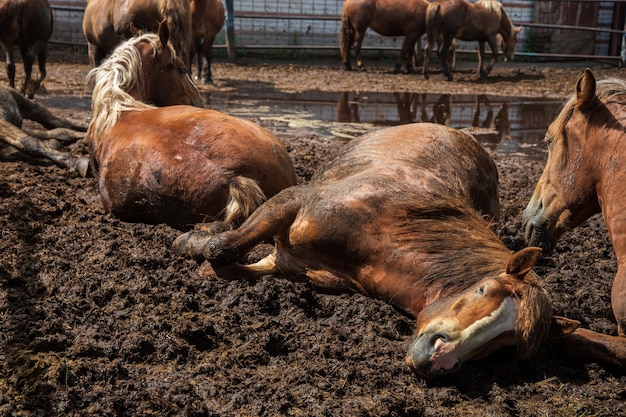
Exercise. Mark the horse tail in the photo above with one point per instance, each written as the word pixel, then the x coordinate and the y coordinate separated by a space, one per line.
pixel 346 34
pixel 432 19
pixel 244 196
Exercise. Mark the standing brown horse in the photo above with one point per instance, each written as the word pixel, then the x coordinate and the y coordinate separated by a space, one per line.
pixel 400 214
pixel 106 23
pixel 207 19
pixel 387 17
pixel 27 24
pixel 178 165
pixel 584 175
pixel 481 21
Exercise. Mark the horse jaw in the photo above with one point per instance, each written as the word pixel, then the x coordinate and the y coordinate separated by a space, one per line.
pixel 442 349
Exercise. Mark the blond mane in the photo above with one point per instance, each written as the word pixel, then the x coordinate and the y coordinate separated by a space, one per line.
pixel 113 79
pixel 493 5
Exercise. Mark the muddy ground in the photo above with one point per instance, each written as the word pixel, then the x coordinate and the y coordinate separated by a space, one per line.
pixel 99 318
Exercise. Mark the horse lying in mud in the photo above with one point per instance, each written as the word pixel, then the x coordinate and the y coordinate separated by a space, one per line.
pixel 14 107
pixel 585 175
pixel 27 24
pixel 482 21
pixel 386 17
pixel 402 214
pixel 177 164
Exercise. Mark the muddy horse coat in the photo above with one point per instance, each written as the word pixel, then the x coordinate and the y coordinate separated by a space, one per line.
pixel 402 214
pixel 585 174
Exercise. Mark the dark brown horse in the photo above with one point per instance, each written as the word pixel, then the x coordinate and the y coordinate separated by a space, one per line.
pixel 401 214
pixel 584 175
pixel 387 17
pixel 482 21
pixel 106 23
pixel 28 25
pixel 178 165
pixel 207 19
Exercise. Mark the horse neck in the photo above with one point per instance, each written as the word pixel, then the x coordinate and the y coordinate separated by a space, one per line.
pixel 610 185
pixel 506 26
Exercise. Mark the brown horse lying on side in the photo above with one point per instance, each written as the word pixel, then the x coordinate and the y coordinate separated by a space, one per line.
pixel 397 216
pixel 584 175
pixel 387 17
pixel 482 21
pixel 178 165
pixel 106 23
pixel 14 107
pixel 27 24
pixel 207 19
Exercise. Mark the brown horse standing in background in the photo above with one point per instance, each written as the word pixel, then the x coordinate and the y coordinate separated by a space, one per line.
pixel 481 21
pixel 207 19
pixel 27 24
pixel 177 164
pixel 106 23
pixel 387 17
pixel 585 175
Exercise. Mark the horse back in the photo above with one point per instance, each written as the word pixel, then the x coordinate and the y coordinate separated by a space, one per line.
pixel 177 149
pixel 427 156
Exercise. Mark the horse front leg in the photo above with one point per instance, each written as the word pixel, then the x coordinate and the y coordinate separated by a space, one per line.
pixel 358 41
pixel 407 53
pixel 493 44
pixel 10 63
pixel 271 219
pixel 208 56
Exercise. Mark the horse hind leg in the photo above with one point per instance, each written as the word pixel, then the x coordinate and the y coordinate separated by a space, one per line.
pixel 269 220
pixel 39 50
pixel 346 41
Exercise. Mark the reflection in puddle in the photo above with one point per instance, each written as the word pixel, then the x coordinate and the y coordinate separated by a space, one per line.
pixel 504 124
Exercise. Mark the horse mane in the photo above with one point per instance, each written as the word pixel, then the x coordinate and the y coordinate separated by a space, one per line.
pixel 493 5
pixel 472 253
pixel 609 91
pixel 112 81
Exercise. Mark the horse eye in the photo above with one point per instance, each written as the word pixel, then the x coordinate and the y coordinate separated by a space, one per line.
pixel 481 290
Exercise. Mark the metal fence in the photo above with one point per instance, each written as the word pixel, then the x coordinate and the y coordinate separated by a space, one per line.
pixel 313 26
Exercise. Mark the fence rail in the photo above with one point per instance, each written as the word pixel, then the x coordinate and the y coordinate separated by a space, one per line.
pixel 256 20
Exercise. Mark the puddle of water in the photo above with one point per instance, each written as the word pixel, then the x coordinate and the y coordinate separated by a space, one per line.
pixel 508 125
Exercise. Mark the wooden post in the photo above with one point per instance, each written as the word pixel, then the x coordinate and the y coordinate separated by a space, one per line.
pixel 230 30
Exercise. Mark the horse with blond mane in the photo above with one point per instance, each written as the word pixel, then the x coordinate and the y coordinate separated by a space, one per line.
pixel 482 21
pixel 178 164
pixel 585 175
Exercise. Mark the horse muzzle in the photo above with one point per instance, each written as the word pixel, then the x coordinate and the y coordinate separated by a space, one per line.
pixel 432 355
pixel 537 233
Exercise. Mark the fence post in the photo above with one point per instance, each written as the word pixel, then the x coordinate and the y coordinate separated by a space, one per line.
pixel 230 30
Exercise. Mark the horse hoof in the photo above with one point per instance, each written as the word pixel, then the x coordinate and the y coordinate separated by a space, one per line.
pixel 82 166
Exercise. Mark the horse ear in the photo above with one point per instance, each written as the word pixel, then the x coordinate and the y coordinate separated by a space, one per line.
pixel 134 30
pixel 585 89
pixel 164 32
pixel 522 262
pixel 562 326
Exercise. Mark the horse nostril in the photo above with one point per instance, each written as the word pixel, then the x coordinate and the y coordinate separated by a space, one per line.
pixel 433 339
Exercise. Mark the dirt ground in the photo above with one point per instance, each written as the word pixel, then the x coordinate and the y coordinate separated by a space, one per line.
pixel 100 318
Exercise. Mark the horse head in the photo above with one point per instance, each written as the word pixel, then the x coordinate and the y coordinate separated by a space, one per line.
pixel 510 309
pixel 508 44
pixel 565 195
pixel 166 79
